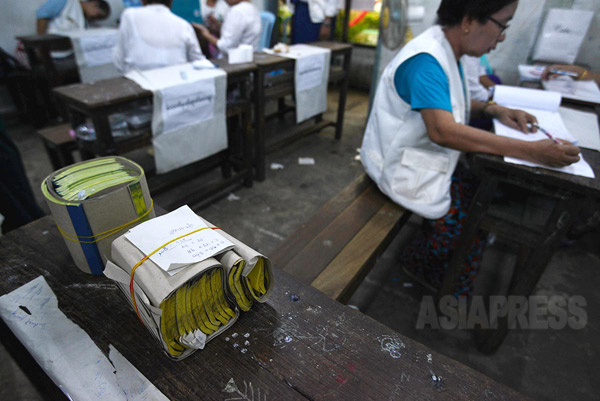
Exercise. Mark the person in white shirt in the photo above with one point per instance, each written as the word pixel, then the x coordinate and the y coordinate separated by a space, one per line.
pixel 154 37
pixel 241 26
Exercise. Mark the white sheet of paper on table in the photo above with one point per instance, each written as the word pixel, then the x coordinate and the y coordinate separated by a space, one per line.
pixel 583 126
pixel 66 352
pixel 193 248
pixel 586 91
pixel 546 111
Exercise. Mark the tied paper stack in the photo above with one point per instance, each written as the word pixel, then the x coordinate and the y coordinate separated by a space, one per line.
pixel 95 201
pixel 186 279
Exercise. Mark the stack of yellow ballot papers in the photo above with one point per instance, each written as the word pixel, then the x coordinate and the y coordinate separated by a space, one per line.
pixel 95 201
pixel 186 279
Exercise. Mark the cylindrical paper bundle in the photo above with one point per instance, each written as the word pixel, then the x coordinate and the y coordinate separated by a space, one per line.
pixel 95 201
pixel 183 311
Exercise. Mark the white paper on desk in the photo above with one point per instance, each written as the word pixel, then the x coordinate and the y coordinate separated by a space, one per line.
pixel 93 50
pixel 583 126
pixel 66 352
pixel 193 248
pixel 586 91
pixel 544 106
pixel 311 78
pixel 241 54
pixel 188 119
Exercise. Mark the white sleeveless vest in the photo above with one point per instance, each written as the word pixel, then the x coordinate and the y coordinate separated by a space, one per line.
pixel 71 18
pixel 396 150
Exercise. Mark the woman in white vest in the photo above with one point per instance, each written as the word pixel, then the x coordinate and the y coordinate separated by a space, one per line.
pixel 417 131
pixel 60 16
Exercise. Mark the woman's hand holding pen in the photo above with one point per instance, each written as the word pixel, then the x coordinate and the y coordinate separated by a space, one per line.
pixel 551 154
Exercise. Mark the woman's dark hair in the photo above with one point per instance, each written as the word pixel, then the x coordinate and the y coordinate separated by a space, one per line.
pixel 163 2
pixel 451 12
pixel 103 5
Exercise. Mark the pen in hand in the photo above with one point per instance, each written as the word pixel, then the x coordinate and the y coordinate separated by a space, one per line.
pixel 567 73
pixel 536 125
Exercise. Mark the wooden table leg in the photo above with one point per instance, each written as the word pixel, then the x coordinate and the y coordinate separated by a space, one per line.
pixel 530 272
pixel 259 121
pixel 104 133
pixel 479 205
pixel 339 125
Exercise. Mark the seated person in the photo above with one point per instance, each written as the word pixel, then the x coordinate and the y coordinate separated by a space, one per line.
pixel 56 16
pixel 241 26
pixel 213 14
pixel 582 73
pixel 153 37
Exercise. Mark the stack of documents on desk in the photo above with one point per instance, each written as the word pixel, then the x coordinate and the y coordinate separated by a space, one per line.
pixel 93 50
pixel 544 106
pixel 190 279
pixel 95 201
pixel 585 91
pixel 188 120
pixel 310 78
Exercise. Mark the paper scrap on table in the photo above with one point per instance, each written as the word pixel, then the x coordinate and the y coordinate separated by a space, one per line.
pixel 306 161
pixel 66 352
pixel 276 166
pixel 233 197
pixel 193 248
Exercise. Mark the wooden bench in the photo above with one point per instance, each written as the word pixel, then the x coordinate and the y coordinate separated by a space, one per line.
pixel 335 249
pixel 59 145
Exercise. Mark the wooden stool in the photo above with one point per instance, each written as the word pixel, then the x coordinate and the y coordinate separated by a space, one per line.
pixel 59 145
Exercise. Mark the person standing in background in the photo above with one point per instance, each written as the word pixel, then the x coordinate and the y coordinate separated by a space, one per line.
pixel 313 20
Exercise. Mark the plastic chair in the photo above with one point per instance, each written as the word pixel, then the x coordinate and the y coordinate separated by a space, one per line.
pixel 267 19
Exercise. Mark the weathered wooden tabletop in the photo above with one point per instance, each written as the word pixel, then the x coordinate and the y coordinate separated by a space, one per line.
pixel 310 348
pixel 107 92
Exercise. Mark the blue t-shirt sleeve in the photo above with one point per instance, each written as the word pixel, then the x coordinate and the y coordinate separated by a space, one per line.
pixel 421 82
pixel 50 9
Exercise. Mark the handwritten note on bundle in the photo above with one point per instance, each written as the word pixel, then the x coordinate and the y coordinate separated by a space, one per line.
pixel 193 248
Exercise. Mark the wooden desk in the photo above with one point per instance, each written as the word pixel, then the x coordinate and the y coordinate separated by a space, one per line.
pixel 569 191
pixel 279 86
pixel 39 48
pixel 314 348
pixel 98 100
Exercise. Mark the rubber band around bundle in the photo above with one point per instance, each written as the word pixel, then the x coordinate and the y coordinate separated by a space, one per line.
pixel 100 236
pixel 145 258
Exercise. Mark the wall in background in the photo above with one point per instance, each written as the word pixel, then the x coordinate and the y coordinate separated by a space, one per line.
pixel 523 31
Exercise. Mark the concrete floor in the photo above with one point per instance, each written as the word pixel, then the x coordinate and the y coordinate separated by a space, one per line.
pixel 544 364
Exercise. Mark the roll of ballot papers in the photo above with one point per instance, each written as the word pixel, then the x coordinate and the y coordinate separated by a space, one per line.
pixel 186 279
pixel 95 201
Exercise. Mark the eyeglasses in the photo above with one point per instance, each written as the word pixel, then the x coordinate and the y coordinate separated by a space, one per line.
pixel 503 27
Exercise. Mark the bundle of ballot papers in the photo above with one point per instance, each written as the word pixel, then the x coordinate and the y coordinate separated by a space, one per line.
pixel 94 202
pixel 186 279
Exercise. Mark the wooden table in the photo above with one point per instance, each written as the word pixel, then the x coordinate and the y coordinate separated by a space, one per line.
pixel 98 100
pixel 39 48
pixel 312 348
pixel 269 88
pixel 570 193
